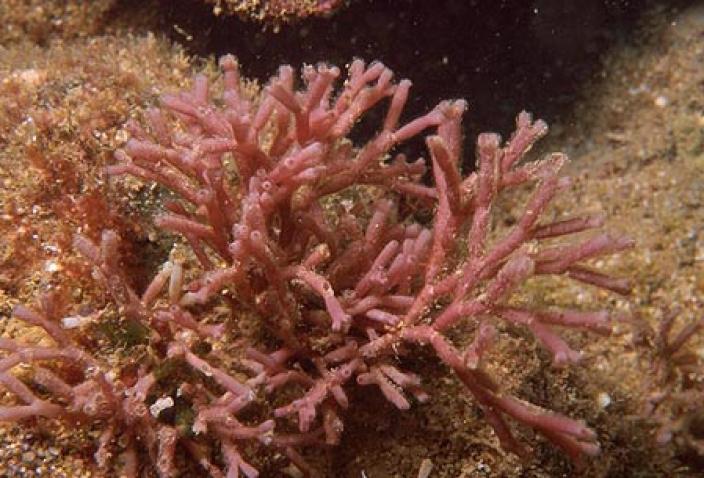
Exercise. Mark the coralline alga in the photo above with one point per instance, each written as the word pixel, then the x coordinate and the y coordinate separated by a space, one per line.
pixel 320 241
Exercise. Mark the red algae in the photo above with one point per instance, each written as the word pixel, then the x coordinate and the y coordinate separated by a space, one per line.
pixel 648 183
pixel 264 233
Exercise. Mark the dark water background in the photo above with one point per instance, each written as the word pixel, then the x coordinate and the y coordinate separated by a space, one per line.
pixel 503 56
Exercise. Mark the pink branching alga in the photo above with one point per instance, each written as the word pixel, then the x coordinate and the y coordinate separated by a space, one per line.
pixel 294 224
pixel 675 390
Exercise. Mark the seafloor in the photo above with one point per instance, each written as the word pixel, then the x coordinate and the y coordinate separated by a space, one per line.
pixel 69 78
